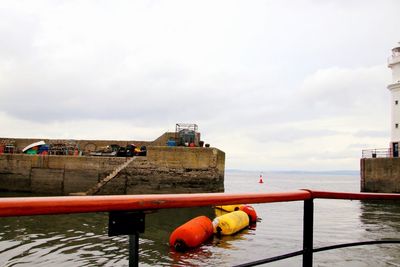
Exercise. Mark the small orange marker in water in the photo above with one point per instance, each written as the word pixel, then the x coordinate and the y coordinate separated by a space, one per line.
pixel 261 179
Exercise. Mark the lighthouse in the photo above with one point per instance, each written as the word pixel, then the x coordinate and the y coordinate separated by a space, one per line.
pixel 394 87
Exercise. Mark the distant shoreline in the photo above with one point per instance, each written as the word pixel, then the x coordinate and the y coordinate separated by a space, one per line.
pixel 339 172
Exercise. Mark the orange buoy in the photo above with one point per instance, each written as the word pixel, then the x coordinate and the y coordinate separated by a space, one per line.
pixel 250 211
pixel 191 234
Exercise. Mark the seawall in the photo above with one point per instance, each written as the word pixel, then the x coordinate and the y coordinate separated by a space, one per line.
pixel 380 175
pixel 163 170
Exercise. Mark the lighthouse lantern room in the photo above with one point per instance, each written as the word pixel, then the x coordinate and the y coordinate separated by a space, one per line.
pixel 394 87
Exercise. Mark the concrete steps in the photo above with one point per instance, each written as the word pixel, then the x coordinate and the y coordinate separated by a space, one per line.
pixel 95 189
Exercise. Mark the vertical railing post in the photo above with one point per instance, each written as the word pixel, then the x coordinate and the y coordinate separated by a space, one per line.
pixel 134 250
pixel 308 232
pixel 131 224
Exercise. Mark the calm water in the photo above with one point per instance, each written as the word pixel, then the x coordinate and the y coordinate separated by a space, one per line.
pixel 81 240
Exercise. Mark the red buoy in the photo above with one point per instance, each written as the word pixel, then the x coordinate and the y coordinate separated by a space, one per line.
pixel 250 211
pixel 261 179
pixel 191 234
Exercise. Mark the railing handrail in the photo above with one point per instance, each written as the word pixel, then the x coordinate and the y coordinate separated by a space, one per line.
pixel 315 194
pixel 377 152
pixel 378 149
pixel 27 206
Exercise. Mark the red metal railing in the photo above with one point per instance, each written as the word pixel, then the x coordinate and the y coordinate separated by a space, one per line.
pixel 315 194
pixel 127 212
pixel 27 206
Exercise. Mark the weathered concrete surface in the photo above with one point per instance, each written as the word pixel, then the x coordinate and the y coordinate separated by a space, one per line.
pixel 47 180
pixel 380 175
pixel 164 170
pixel 15 174
pixel 79 180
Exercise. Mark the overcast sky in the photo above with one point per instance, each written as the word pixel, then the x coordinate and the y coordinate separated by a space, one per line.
pixel 277 85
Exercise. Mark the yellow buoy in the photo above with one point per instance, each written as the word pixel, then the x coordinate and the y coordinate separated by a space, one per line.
pixel 220 212
pixel 231 223
pixel 229 208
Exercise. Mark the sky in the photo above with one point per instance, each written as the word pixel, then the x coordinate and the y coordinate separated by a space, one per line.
pixel 276 85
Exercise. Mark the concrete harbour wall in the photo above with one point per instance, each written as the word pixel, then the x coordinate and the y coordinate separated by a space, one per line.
pixel 380 175
pixel 163 170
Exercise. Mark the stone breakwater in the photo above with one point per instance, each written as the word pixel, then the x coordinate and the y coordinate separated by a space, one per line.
pixel 380 175
pixel 163 170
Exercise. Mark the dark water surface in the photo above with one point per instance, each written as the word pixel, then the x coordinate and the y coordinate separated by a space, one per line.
pixel 81 240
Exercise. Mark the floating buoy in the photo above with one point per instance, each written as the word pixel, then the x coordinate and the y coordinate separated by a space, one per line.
pixel 261 179
pixel 250 211
pixel 220 212
pixel 191 234
pixel 230 223
pixel 229 208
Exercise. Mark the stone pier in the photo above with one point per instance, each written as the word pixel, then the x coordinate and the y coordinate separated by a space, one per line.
pixel 163 170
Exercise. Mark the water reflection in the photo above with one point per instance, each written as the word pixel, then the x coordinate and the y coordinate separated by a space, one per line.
pixel 380 221
pixel 81 239
pixel 381 214
pixel 230 241
pixel 64 239
pixel 381 218
pixel 195 257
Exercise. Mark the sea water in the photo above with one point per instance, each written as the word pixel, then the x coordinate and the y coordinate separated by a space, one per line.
pixel 81 239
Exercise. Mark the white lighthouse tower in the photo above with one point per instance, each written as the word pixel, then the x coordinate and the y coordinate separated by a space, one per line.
pixel 394 87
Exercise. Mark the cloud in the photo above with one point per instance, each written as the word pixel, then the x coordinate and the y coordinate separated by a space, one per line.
pixel 334 111
pixel 378 133
pixel 343 91
pixel 267 82
pixel 82 129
